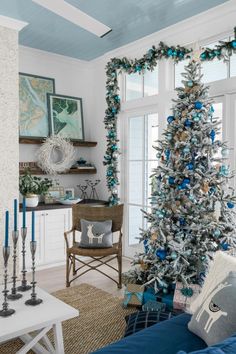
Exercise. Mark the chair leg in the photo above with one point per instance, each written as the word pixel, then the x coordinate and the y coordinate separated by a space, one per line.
pixel 67 270
pixel 119 259
pixel 74 271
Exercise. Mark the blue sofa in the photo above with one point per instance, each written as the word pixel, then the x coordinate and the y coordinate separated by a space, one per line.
pixel 168 337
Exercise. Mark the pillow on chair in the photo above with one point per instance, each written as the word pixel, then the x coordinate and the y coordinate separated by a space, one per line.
pixel 96 234
pixel 214 318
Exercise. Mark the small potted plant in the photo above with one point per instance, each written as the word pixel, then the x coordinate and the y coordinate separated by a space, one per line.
pixel 31 187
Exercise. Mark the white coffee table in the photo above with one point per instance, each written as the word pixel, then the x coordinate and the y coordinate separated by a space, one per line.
pixel 40 318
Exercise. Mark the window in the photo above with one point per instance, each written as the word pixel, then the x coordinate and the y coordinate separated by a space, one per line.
pixel 138 85
pixel 212 70
pixel 143 132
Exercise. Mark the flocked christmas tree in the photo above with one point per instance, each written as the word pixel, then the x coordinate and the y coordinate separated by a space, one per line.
pixel 191 178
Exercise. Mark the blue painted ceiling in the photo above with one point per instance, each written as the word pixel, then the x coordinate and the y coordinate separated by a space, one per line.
pixel 129 20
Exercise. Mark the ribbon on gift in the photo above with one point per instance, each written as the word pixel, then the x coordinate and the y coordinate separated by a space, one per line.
pixel 129 294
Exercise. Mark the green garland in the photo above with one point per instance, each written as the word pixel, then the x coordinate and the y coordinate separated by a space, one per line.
pixel 223 50
pixel 113 68
pixel 148 62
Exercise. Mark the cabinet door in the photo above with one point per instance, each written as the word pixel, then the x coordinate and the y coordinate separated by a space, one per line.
pixel 56 223
pixel 39 237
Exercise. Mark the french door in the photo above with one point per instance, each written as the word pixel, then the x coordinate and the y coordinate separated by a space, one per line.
pixel 140 160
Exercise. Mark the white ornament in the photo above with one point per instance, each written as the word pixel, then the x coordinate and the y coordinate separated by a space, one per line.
pixel 45 154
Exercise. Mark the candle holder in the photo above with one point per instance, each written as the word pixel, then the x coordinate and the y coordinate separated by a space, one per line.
pixel 33 301
pixel 24 286
pixel 5 312
pixel 14 295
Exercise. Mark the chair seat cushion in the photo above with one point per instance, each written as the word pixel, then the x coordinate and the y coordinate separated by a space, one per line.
pixel 167 337
pixel 93 252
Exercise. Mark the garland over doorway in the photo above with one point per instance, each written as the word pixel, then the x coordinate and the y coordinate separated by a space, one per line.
pixel 131 66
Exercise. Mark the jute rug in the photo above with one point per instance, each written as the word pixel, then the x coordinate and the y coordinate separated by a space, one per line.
pixel 101 321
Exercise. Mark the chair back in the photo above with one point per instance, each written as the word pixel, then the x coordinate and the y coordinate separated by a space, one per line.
pixel 98 213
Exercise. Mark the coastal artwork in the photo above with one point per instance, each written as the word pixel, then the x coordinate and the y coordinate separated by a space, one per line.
pixel 33 120
pixel 66 116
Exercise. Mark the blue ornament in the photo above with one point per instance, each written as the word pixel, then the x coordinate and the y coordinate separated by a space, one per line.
pixel 181 54
pixel 224 170
pixel 169 52
pixel 171 180
pixel 169 136
pixel 114 110
pixel 107 157
pixel 170 119
pixel 225 152
pixel 167 153
pixel 194 140
pixel 114 147
pixel 203 55
pixel 109 173
pixel 174 255
pixel 194 114
pixel 187 123
pixel 165 291
pixel 224 246
pixel 182 221
pixel 186 180
pixel 111 134
pixel 117 98
pixel 212 109
pixel 160 214
pixel 211 54
pixel 198 105
pixel 212 190
pixel 186 150
pixel 138 67
pixel 196 119
pixel 174 53
pixel 145 242
pixel 190 84
pixel 161 254
pixel 212 135
pixel 217 233
pixel 199 115
pixel 217 52
pixel 233 44
pixel 189 166
pixel 146 249
pixel 230 205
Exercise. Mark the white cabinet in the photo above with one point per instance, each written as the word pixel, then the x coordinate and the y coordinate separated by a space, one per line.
pixel 50 226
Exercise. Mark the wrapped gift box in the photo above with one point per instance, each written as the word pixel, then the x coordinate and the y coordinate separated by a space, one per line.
pixel 149 295
pixel 133 295
pixel 167 299
pixel 181 301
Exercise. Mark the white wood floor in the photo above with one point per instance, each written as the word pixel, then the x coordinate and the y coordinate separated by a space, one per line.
pixel 53 279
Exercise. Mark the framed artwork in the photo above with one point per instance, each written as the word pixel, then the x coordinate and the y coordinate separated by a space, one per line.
pixel 33 120
pixel 69 193
pixel 66 116
pixel 54 193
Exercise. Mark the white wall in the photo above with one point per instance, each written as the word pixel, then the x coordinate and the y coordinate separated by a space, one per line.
pixel 8 127
pixel 73 78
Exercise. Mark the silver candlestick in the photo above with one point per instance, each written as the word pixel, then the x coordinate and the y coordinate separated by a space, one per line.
pixel 24 286
pixel 33 301
pixel 14 295
pixel 5 312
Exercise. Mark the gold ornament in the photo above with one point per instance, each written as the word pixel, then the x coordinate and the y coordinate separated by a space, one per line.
pixel 154 236
pixel 143 265
pixel 184 136
pixel 205 187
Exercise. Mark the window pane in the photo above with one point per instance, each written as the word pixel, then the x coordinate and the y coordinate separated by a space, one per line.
pixel 135 182
pixel 233 65
pixel 152 135
pixel 179 69
pixel 151 83
pixel 136 127
pixel 135 223
pixel 134 86
pixel 214 70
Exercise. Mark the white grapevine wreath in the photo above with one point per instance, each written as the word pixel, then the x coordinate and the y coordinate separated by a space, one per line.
pixel 48 150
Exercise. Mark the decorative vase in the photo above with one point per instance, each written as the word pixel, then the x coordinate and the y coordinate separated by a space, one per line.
pixel 31 200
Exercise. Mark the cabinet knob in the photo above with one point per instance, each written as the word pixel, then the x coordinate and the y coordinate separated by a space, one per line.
pixel 42 214
pixel 46 214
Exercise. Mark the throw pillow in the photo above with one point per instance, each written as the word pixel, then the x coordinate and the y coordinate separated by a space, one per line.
pixel 96 234
pixel 215 319
pixel 143 319
pixel 222 264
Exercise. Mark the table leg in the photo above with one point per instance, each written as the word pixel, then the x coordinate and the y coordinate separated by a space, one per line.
pixel 32 342
pixel 58 338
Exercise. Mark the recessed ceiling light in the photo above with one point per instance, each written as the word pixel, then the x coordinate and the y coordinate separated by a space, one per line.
pixel 74 15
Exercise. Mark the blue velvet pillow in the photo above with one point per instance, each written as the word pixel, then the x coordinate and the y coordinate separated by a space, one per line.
pixel 228 346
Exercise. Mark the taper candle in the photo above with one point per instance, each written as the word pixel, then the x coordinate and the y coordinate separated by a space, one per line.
pixel 33 226
pixel 6 228
pixel 15 214
pixel 24 213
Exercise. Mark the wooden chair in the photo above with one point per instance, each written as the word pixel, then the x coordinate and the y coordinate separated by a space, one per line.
pixel 101 255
